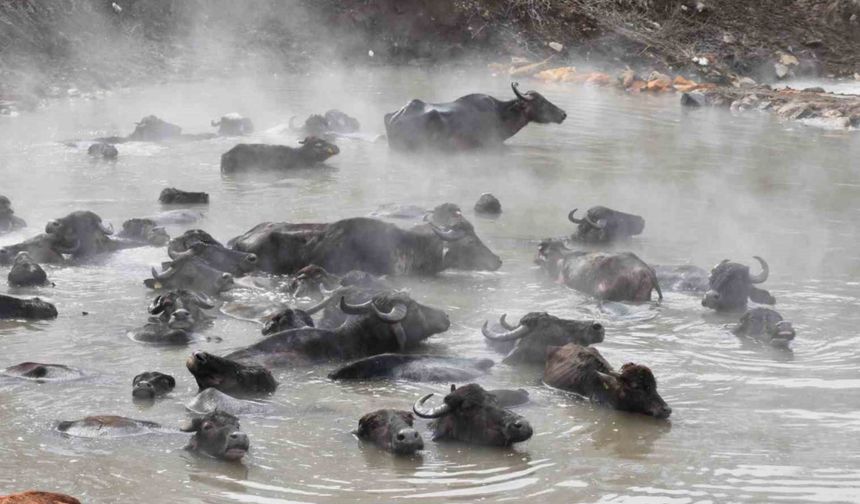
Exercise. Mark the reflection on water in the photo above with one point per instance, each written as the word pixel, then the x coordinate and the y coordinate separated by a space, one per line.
pixel 750 423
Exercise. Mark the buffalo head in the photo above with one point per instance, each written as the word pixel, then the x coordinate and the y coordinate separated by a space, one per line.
pixel 409 321
pixel 537 108
pixel 217 434
pixel 164 306
pixel 189 272
pixel 765 325
pixel 473 415
pixel 154 129
pixel 150 384
pixel 603 225
pixel 215 255
pixel 536 331
pixel 731 284
pixel 79 234
pixel 391 430
pixel 317 150
pixel 461 249
pixel 229 376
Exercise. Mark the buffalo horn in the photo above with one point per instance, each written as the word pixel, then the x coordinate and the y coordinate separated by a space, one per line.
pixel 397 313
pixel 573 219
pixel 447 234
pixel 355 309
pixel 322 304
pixel 504 323
pixel 512 335
pixel 108 230
pixel 765 271
pixel 203 301
pixel 514 86
pixel 163 276
pixel 423 412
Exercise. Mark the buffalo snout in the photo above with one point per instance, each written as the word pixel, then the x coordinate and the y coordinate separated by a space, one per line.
pixel 407 441
pixel 518 430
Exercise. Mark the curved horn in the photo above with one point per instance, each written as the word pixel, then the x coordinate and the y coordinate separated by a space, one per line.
pixel 515 87
pixel 423 412
pixel 108 230
pixel 203 301
pixel 157 306
pixel 447 234
pixel 396 314
pixel 765 271
pixel 512 335
pixel 504 323
pixel 325 302
pixel 573 219
pixel 355 309
pixel 593 224
pixel 163 276
pixel 293 126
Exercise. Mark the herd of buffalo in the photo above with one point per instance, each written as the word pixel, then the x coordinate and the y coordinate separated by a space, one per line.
pixel 353 315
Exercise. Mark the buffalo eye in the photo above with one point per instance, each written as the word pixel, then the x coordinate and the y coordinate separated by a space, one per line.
pixel 208 426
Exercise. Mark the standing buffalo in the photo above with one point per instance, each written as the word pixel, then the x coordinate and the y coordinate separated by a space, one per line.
pixel 765 325
pixel 731 285
pixel 602 225
pixel 390 430
pixel 229 376
pixel 469 122
pixel 8 220
pixel 218 435
pixel 584 371
pixel 26 272
pixel 529 340
pixel 233 124
pixel 472 415
pixel 246 157
pixel 607 276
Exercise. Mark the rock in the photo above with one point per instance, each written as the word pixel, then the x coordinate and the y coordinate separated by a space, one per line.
pixel 627 78
pixel 781 70
pixel 816 89
pixel 788 60
pixel 701 60
pixel 488 205
pixel 694 99
pixel 555 46
pixel 794 110
pixel 856 76
pixel 529 70
pixel 745 82
pixel 728 38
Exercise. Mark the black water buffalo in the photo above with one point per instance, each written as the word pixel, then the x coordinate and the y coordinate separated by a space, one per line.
pixel 31 309
pixel 390 322
pixel 366 244
pixel 107 426
pixel 199 244
pixel 165 305
pixel 286 319
pixel 527 342
pixel 154 129
pixel 8 220
pixel 26 272
pixel 765 325
pixel 178 329
pixel 620 276
pixel 151 384
pixel 102 150
pixel 218 435
pixel 602 225
pixel 420 368
pixel 145 231
pixel 315 282
pixel 472 121
pixel 390 430
pixel 682 278
pixel 82 234
pixel 331 124
pixel 174 196
pixel 488 205
pixel 229 376
pixel 233 124
pixel 38 371
pixel 730 285
pixel 212 399
pixel 247 157
pixel 473 415
pixel 584 371
pixel 40 248
pixel 189 272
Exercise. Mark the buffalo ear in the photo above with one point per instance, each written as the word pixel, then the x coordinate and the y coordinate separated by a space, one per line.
pixel 609 381
pixel 761 296
pixel 191 424
pixel 172 381
pixel 363 425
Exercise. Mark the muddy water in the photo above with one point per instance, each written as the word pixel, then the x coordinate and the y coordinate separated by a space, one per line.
pixel 750 423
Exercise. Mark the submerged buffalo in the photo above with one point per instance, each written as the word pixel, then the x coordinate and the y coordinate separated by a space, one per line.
pixel 145 231
pixel 229 376
pixel 176 316
pixel 367 244
pixel 730 285
pixel 102 150
pixel 584 371
pixel 390 430
pixel 488 205
pixel 151 384
pixel 37 371
pixel 212 399
pixel 607 276
pixel 602 225
pixel 388 323
pixel 174 196
pixel 682 278
pixel 40 248
pixel 472 415
pixel 199 244
pixel 26 272
pixel 165 305
pixel 286 319
pixel 154 129
pixel 315 282
pixel 8 220
pixel 107 426
pixel 248 157
pixel 420 368
pixel 30 309
pixel 191 273
pixel 765 325
pixel 233 124
pixel 217 434
pixel 38 497
pixel 331 124
pixel 528 341
pixel 470 122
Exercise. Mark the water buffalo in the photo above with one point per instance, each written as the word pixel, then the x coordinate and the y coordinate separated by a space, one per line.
pixel 390 430
pixel 765 325
pixel 584 371
pixel 607 276
pixel 102 150
pixel 38 497
pixel 472 415
pixel 682 278
pixel 488 205
pixel 151 384
pixel 189 272
pixel 229 376
pixel 154 129
pixel 233 124
pixel 366 244
pixel 174 196
pixel 246 157
pixel 527 342
pixel 730 285
pixel 218 435
pixel 602 225
pixel 107 426
pixel 37 371
pixel 165 305
pixel 212 399
pixel 472 121
pixel 420 368
pixel 199 244
pixel 331 124
pixel 31 309
pixel 82 234
pixel 26 272
pixel 8 220
pixel 315 282
pixel 145 231
pixel 390 322
pixel 40 248
pixel 178 329
pixel 286 319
